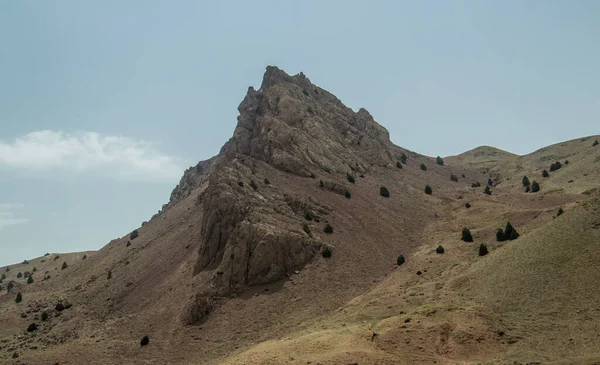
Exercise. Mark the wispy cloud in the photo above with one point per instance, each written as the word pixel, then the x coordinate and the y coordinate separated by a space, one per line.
pixel 113 156
pixel 7 215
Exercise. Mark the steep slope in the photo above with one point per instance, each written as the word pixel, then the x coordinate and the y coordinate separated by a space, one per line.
pixel 231 269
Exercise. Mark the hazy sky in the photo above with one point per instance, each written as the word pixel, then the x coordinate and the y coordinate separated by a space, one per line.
pixel 104 104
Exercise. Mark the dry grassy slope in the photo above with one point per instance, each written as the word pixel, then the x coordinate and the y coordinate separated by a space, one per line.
pixel 531 300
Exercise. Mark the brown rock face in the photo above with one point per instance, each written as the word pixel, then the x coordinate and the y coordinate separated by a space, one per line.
pixel 253 236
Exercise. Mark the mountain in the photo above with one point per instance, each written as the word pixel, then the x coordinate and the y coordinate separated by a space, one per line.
pixel 233 268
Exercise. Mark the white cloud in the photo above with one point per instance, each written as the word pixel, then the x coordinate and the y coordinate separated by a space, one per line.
pixel 7 215
pixel 112 156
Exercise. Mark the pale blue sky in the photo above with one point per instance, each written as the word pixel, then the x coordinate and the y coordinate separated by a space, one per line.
pixel 103 104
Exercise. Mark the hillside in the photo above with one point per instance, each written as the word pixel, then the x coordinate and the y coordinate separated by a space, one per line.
pixel 231 270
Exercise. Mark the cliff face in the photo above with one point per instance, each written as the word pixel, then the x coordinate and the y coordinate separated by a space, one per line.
pixel 254 236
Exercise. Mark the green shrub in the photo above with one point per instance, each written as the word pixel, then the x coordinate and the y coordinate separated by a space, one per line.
pixel 84 257
pixel 34 269
pixel 535 187
pixel 403 158
pixel 467 205
pixel 384 192
pixel 400 260
pixel 59 307
pixel 347 194
pixel 423 167
pixel 428 190
pixel 483 250
pixel 350 178
pixel 555 166
pixel 321 184
pixel 19 275
pixel 7 269
pixel 527 189
pixel 453 177
pixel 241 184
pixel 57 256
pixel 466 235
pixel 109 275
pixel 26 274
pixel 25 262
pixel 560 212
pixel 144 341
pixel 32 327
pixel 510 233
pixel 328 228
pixel 490 182
pixel 10 286
pixel 64 266
pixel 399 164
pixel 439 160
pixel 595 143
pixel 326 252
pixel 30 279
pixel 253 185
pixel 476 184
pixel 128 244
pixel 19 298
pixel 500 236
pixel 526 181
pixel 44 316
pixel 566 162
pixel 305 228
pixel 266 181
pixel 132 235
pixel 487 190
pixel 439 249
pixel 308 215
pixel 3 276
pixel 545 173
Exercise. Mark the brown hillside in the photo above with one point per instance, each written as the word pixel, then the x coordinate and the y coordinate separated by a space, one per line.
pixel 231 270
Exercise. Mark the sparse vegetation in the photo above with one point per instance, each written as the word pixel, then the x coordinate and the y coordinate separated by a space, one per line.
pixel 25 262
pixel 483 250
pixel 487 190
pixel 560 212
pixel 321 184
pixel 526 181
pixel 328 228
pixel 308 215
pixel 500 236
pixel 490 182
pixel 305 228
pixel 19 275
pixel 453 177
pixel 30 279
pixel 144 341
pixel 32 327
pixel 128 244
pixel 253 185
pixel 403 158
pixel 56 257
pixel 64 266
pixel 347 194
pixel 266 181
pixel 35 269
pixel 399 164
pixel 59 307
pixel 400 260
pixel 132 235
pixel 545 173
pixel 19 298
pixel 555 166
pixel 44 316
pixel 510 233
pixel 384 192
pixel 467 205
pixel 535 187
pixel 423 167
pixel 326 252
pixel 109 275
pixel 10 286
pixel 241 184
pixel 83 258
pixel 350 178
pixel 428 190
pixel 439 249
pixel 476 184
pixel 439 160
pixel 466 235
pixel 566 162
pixel 595 143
